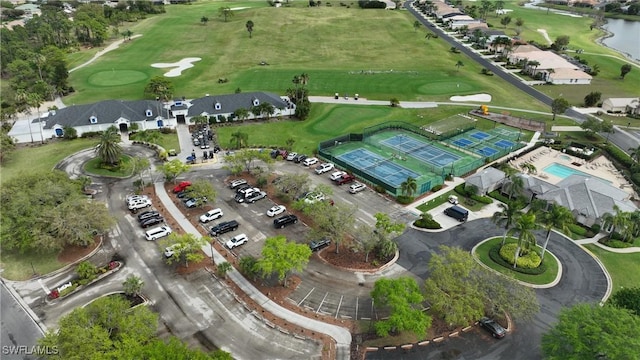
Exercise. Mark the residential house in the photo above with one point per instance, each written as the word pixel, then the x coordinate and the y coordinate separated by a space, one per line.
pixel 550 66
pixel 621 105
pixel 532 187
pixel 459 21
pixel 485 180
pixel 224 107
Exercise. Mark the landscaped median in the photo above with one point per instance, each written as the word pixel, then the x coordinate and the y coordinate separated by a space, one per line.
pixel 87 275
pixel 546 275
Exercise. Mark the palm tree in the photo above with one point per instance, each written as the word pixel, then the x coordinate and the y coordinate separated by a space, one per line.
pixel 616 220
pixel 535 65
pixel 558 217
pixel 523 227
pixel 132 285
pixel 507 216
pixel 242 113
pixel 459 64
pixel 204 20
pixel 416 25
pixel 225 12
pixel 109 149
pixel 635 153
pixel 249 26
pixel 530 168
pixel 515 185
pixel 409 187
pixel 240 139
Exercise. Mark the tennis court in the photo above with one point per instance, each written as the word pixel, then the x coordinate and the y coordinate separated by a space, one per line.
pixel 420 150
pixel 378 166
pixel 479 135
pixel 487 151
pixel 462 142
pixel 505 144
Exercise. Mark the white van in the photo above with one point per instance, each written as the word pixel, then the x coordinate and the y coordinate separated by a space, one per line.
pixel 211 215
pixel 157 233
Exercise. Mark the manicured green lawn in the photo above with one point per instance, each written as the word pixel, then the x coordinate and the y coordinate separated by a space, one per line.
pixel 42 158
pixel 95 167
pixel 374 53
pixel 547 277
pixel 433 203
pixel 623 268
pixel 21 266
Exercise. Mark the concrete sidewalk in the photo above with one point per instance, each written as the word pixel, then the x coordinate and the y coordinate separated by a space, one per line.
pixel 340 334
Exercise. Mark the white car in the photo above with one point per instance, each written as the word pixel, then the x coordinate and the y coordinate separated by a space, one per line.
pixel 170 250
pixel 237 241
pixel 356 188
pixel 321 169
pixel 337 175
pixel 157 233
pixel 134 198
pixel 310 161
pixel 314 197
pixel 291 156
pixel 276 210
pixel 211 215
pixel 139 204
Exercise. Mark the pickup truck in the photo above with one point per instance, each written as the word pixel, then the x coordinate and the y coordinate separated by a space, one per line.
pixel 346 178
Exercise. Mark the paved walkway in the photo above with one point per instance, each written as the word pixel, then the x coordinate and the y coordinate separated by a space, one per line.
pixel 340 334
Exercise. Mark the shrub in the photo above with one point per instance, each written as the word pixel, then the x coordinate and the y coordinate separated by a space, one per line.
pixel 86 270
pixel 619 155
pixel 166 130
pixel 616 244
pixel 482 199
pixel 596 228
pixel 404 199
pixel 436 188
pixel 577 229
pixel 379 189
pixel 528 259
pixel 69 132
pixel 68 290
pixel 494 254
pixel 460 190
pixel 427 224
pixel 91 134
pixel 496 195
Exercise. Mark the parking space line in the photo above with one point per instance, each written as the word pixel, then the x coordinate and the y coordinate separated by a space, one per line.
pixel 357 302
pixel 322 302
pixel 339 304
pixel 306 296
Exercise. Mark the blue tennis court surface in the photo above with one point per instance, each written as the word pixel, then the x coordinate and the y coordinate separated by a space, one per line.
pixel 487 151
pixel 462 142
pixel 505 144
pixel 378 166
pixel 420 150
pixel 479 135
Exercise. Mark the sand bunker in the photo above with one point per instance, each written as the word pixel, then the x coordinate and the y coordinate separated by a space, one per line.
pixel 239 8
pixel 476 97
pixel 180 66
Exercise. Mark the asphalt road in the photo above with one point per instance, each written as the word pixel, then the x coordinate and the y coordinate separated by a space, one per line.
pixel 18 333
pixel 583 280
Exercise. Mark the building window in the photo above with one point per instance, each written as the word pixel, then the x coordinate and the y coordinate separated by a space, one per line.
pixel 256 102
pixel 93 120
pixel 217 106
pixel 149 113
pixel 178 103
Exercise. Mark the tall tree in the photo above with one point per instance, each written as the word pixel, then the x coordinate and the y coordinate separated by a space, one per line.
pixel 404 299
pixel 132 285
pixel 281 257
pixel 172 169
pixel 416 25
pixel 558 217
pixel 249 25
pixel 523 227
pixel 627 298
pixel 592 98
pixel 506 216
pixel 109 149
pixel 505 21
pixel 332 222
pixel 203 191
pixel 186 247
pixel 624 70
pixel 459 64
pixel 137 166
pixel 204 20
pixel 408 187
pixel 159 88
pixel 589 331
pixel 225 12
pixel 240 139
pixel 559 106
pixel 635 153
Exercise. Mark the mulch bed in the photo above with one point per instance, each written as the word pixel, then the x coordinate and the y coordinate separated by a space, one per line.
pixel 74 252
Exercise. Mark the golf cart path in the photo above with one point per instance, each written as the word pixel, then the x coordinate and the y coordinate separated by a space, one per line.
pixel 114 45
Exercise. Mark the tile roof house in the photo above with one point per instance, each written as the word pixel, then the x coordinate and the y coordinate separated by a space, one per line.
pixel 589 199
pixel 485 180
pixel 554 68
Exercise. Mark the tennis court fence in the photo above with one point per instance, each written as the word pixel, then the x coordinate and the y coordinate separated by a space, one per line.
pixel 397 125
pixel 357 172
pixel 339 140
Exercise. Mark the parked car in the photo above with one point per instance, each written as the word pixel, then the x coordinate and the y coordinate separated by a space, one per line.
pixel 336 175
pixel 326 167
pixel 224 227
pixel 133 198
pixel 285 220
pixel 495 329
pixel 242 188
pixel 237 240
pixel 356 188
pixel 453 199
pixel 457 213
pixel 139 204
pixel 300 158
pixel 310 161
pixel 345 179
pixel 184 193
pixel 319 244
pixel 181 186
pixel 151 221
pixel 291 156
pixel 235 183
pixel 276 210
pixel 314 197
pixel 255 196
pixel 193 202
pixel 169 251
pixel 211 215
pixel 148 214
pixel 157 233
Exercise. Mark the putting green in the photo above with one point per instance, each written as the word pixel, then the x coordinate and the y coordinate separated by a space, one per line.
pixel 117 77
pixel 447 87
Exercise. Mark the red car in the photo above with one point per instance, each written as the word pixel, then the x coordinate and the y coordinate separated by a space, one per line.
pixel 182 186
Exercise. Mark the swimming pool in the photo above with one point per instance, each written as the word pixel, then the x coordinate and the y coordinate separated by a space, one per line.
pixel 562 172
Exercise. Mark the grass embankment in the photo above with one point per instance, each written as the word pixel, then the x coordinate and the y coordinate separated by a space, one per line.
pixel 342 49
pixel 623 268
pixel 20 267
pixel 482 252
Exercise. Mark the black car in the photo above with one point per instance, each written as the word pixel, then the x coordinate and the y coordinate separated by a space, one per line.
pixel 224 227
pixel 300 158
pixel 182 194
pixel 496 330
pixel 285 220
pixel 151 221
pixel 319 244
pixel 242 188
pixel 148 214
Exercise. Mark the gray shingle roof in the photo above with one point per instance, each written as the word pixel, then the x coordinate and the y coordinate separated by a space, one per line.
pixel 232 102
pixel 106 112
pixel 486 178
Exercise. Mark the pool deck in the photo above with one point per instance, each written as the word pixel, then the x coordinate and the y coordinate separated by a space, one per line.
pixel 599 167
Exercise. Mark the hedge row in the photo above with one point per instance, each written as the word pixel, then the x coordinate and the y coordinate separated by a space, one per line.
pixel 494 254
pixel 530 260
pixel 427 224
pixel 616 244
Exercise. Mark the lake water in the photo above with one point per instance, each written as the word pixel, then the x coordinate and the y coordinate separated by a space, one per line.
pixel 626 38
